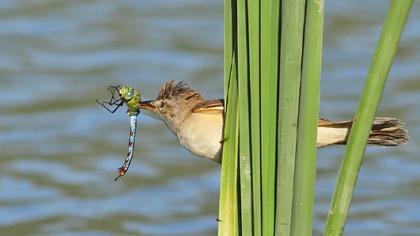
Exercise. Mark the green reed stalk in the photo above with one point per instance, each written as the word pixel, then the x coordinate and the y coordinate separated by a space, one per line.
pixel 244 121
pixel 292 21
pixel 263 67
pixel 228 206
pixel 255 109
pixel 305 167
pixel 363 119
pixel 270 15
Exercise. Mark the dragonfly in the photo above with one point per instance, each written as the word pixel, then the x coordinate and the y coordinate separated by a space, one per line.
pixel 127 95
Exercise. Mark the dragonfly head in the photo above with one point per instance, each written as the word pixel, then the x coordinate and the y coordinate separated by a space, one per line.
pixel 130 97
pixel 126 93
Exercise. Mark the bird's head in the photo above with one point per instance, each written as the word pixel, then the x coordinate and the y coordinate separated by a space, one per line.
pixel 173 104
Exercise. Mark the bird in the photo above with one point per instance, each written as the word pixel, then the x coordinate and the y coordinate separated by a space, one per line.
pixel 198 123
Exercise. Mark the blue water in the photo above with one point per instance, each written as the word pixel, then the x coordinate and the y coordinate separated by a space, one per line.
pixel 59 150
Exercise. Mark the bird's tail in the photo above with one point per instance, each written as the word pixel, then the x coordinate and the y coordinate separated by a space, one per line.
pixel 386 131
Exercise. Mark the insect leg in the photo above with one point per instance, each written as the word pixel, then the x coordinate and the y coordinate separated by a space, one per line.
pixel 110 105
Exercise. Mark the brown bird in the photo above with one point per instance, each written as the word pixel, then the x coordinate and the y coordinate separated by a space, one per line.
pixel 198 123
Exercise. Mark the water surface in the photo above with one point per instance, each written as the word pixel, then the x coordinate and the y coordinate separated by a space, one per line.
pixel 59 150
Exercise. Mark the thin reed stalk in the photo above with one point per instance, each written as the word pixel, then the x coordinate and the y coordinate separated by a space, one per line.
pixel 363 119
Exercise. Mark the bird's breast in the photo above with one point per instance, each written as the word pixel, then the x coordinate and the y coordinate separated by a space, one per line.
pixel 201 134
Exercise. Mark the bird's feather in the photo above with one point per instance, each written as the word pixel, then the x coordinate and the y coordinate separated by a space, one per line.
pixel 209 106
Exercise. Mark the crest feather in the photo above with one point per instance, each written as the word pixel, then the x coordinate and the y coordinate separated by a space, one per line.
pixel 180 90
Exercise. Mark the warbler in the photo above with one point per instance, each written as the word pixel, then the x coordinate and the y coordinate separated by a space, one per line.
pixel 198 123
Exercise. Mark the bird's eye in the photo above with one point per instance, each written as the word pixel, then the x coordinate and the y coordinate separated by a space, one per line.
pixel 160 104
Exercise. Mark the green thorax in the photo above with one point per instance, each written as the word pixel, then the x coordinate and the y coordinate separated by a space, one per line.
pixel 132 98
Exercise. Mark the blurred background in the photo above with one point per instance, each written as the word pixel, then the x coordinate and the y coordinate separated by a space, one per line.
pixel 59 150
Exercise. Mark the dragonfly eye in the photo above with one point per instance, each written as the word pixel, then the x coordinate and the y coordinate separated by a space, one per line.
pixel 127 96
pixel 126 93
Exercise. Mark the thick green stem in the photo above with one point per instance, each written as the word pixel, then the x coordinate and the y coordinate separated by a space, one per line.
pixel 270 13
pixel 228 208
pixel 255 110
pixel 292 21
pixel 305 169
pixel 244 121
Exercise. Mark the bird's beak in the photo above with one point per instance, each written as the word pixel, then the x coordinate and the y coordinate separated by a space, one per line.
pixel 148 106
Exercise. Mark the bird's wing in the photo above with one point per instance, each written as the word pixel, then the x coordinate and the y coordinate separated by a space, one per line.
pixel 209 106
